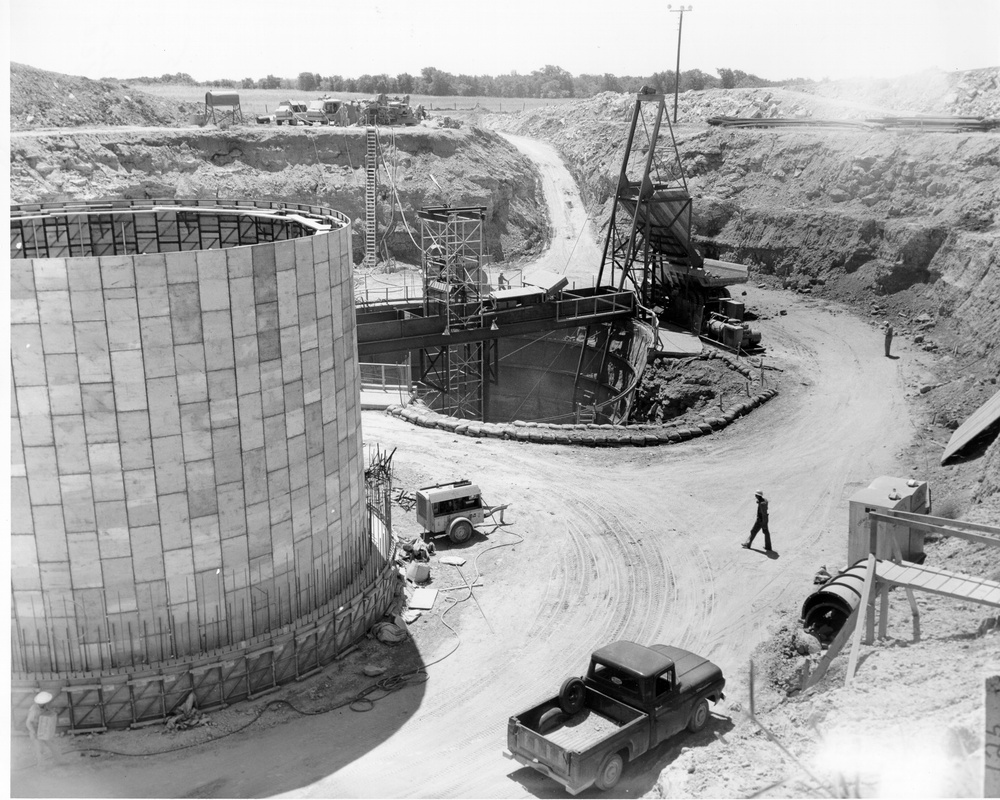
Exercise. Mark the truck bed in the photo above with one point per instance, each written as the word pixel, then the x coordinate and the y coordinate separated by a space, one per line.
pixel 583 730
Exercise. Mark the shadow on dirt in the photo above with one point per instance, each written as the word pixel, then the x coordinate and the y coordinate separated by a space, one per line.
pixel 641 776
pixel 771 554
pixel 285 742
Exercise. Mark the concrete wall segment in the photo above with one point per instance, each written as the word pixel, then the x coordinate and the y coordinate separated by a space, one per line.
pixel 169 414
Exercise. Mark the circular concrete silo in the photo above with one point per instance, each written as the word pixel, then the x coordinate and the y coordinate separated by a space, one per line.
pixel 187 466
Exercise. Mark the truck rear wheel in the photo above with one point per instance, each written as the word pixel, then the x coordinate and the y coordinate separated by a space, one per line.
pixel 610 772
pixel 571 695
pixel 460 531
pixel 699 716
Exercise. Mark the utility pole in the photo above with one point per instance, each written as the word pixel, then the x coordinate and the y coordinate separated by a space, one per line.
pixel 677 72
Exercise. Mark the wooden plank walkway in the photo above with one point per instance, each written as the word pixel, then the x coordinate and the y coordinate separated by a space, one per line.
pixel 938 581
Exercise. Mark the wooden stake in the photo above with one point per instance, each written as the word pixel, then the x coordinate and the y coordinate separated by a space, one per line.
pixel 991 746
pixel 833 650
pixel 863 603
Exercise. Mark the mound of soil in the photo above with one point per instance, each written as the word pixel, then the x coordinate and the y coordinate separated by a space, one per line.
pixel 40 99
pixel 671 388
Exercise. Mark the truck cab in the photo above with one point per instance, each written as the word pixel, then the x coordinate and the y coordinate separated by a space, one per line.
pixel 290 111
pixel 323 111
pixel 453 508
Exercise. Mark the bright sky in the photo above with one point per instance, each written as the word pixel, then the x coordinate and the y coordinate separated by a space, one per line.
pixel 774 39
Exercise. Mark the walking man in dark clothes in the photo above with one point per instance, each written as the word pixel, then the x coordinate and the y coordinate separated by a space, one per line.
pixel 760 524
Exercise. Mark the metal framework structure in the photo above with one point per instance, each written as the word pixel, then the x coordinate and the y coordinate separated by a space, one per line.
pixel 132 227
pixel 649 233
pixel 223 108
pixel 455 287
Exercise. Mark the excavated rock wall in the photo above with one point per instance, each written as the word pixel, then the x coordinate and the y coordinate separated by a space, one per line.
pixel 324 166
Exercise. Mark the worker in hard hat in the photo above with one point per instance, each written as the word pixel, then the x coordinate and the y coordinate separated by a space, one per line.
pixel 41 725
pixel 760 524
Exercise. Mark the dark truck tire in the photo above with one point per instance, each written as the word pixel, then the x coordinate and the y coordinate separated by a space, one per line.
pixel 460 531
pixel 610 772
pixel 699 716
pixel 571 695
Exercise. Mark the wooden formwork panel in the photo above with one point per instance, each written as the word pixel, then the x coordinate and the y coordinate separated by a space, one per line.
pixel 234 679
pixel 117 700
pixel 206 683
pixel 284 661
pixel 147 699
pixel 86 708
pixel 306 653
pixel 260 671
pixel 326 641
pixel 176 688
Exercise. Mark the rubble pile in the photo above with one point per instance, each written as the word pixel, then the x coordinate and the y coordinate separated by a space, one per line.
pixel 972 93
pixel 40 99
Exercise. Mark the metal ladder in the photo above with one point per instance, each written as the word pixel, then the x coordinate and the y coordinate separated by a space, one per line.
pixel 371 188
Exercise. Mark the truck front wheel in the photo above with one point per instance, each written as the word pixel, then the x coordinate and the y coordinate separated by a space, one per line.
pixel 610 772
pixel 699 716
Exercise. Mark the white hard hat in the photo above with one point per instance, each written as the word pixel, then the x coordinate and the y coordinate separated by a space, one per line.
pixel 42 698
pixel 759 493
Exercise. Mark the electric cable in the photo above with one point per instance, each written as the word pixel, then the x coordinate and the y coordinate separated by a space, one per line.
pixel 360 703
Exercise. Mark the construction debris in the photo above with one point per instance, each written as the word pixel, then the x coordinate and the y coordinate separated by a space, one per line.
pixel 417 549
pixel 822 575
pixel 418 573
pixel 187 717
pixel 423 599
pixel 387 632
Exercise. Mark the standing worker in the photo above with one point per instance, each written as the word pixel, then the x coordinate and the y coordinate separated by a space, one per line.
pixel 888 338
pixel 760 524
pixel 41 725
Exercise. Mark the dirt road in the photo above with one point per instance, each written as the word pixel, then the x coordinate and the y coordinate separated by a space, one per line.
pixel 629 543
pixel 572 251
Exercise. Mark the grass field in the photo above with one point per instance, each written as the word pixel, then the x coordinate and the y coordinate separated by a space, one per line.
pixel 264 101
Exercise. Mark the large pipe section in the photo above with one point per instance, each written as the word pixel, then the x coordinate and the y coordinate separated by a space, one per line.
pixel 826 610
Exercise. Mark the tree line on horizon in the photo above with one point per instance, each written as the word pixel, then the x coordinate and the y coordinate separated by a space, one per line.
pixel 550 82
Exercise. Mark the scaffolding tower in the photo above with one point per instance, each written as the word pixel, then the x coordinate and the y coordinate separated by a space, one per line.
pixel 456 288
pixel 649 233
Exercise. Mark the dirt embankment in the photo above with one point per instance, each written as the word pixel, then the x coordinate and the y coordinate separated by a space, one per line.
pixel 423 166
pixel 41 99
